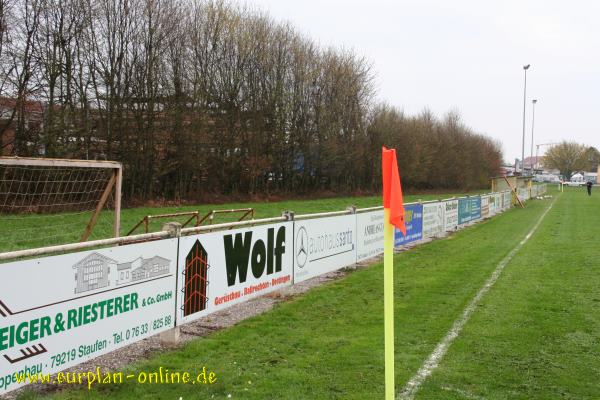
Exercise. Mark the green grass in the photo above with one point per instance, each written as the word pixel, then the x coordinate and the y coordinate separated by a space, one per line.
pixel 537 333
pixel 534 336
pixel 19 232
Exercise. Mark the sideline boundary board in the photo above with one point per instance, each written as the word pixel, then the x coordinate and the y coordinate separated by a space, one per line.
pixel 115 296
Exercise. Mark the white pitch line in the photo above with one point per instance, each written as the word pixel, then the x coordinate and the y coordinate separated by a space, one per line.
pixel 414 384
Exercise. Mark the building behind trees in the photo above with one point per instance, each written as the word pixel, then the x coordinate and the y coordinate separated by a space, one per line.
pixel 203 98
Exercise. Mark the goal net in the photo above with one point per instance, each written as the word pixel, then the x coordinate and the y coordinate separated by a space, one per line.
pixel 46 202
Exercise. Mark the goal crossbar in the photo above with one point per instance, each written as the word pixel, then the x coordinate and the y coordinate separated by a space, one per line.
pixel 58 162
pixel 115 181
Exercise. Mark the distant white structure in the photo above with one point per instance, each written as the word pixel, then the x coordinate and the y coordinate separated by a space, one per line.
pixel 545 177
pixel 582 177
pixel 591 177
pixel 577 177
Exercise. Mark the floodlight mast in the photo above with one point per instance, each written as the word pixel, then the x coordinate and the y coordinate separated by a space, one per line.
pixel 525 68
pixel 531 166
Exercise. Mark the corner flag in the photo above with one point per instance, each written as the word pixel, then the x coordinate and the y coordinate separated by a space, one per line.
pixel 392 190
pixel 393 211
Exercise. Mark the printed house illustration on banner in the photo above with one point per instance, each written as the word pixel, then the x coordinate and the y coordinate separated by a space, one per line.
pixel 142 268
pixel 92 272
pixel 195 280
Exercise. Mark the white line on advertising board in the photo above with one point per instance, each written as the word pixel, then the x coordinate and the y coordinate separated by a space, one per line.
pixel 220 269
pixel 63 310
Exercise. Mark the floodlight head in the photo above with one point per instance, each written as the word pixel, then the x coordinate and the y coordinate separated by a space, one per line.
pixel 526 67
pixel 534 101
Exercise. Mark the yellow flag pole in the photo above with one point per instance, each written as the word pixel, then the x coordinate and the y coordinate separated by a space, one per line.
pixel 388 303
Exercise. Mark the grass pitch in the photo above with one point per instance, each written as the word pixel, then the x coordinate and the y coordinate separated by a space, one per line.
pixel 535 335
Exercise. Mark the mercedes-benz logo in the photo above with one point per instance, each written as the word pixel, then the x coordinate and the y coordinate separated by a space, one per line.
pixel 301 243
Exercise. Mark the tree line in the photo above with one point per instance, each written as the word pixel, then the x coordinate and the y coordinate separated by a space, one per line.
pixel 207 97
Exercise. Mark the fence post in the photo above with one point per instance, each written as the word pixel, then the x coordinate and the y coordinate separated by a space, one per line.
pixel 172 336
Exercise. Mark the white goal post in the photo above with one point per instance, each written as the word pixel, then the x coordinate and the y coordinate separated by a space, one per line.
pixel 66 196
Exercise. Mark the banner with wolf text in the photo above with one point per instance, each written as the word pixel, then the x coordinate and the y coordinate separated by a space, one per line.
pixel 220 269
pixel 57 312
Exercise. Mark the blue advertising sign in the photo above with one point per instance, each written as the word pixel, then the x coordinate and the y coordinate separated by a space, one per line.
pixel 413 219
pixel 469 209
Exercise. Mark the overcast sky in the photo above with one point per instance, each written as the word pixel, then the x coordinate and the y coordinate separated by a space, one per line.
pixel 468 56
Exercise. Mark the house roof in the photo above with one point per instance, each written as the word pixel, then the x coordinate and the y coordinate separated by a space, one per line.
pixel 94 255
pixel 30 106
pixel 533 161
pixel 156 258
pixel 123 266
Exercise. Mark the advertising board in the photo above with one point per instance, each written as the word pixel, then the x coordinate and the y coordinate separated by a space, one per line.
pixel 413 220
pixel 469 209
pixel 323 245
pixel 451 215
pixel 369 232
pixel 433 219
pixel 485 206
pixel 60 311
pixel 220 269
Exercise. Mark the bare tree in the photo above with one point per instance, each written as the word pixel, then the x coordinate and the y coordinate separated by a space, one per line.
pixel 202 97
pixel 567 157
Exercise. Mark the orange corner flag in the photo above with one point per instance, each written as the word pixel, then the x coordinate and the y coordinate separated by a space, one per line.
pixel 392 190
pixel 393 215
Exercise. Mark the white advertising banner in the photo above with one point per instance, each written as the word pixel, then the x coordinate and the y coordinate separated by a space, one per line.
pixel 220 269
pixel 492 205
pixel 507 200
pixel 450 215
pixel 497 203
pixel 323 245
pixel 523 194
pixel 369 234
pixel 485 206
pixel 433 219
pixel 57 312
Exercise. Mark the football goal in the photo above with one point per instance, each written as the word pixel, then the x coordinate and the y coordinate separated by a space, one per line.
pixel 46 202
